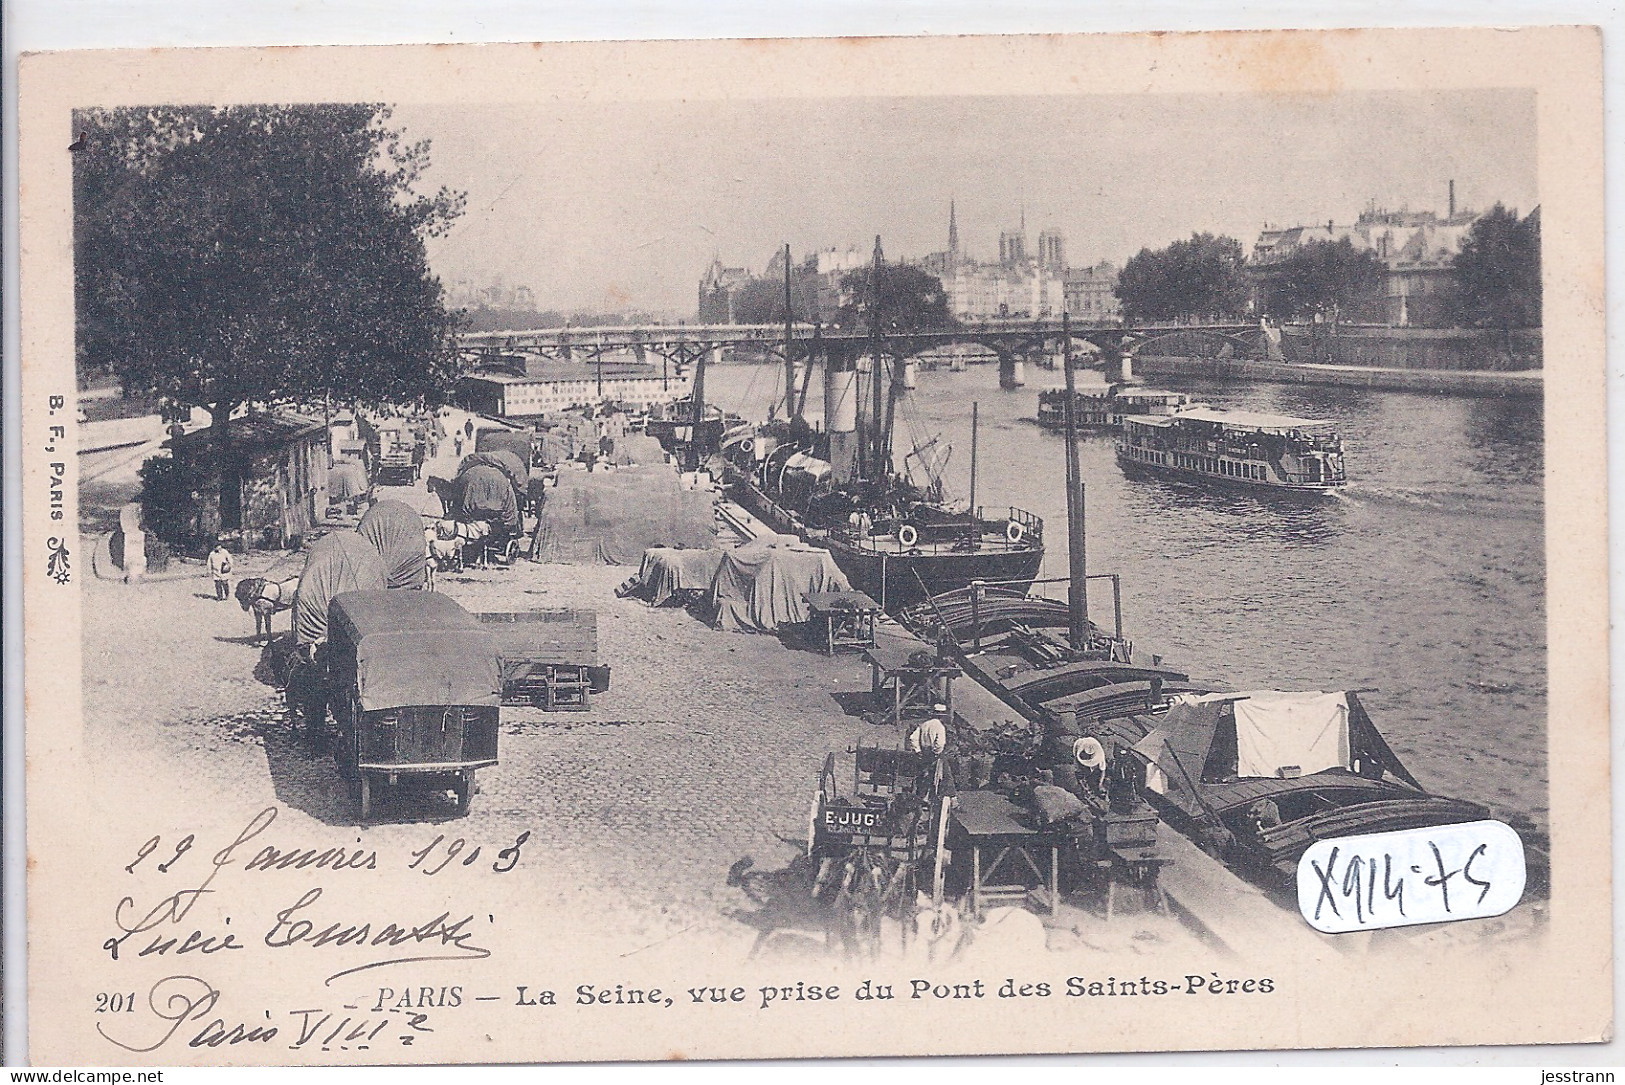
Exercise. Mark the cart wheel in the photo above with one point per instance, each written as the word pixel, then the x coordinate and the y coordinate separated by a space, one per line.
pixel 365 800
pixel 465 792
pixel 943 808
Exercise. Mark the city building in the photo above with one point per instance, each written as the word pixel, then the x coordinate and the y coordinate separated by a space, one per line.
pixel 1091 293
pixel 717 289
pixel 1417 250
pixel 537 386
pixel 1052 250
pixel 1020 284
pixel 492 294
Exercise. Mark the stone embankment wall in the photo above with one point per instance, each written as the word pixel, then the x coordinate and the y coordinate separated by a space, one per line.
pixel 1415 348
pixel 1452 381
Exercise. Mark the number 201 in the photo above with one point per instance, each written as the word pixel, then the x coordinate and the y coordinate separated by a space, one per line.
pixel 115 1003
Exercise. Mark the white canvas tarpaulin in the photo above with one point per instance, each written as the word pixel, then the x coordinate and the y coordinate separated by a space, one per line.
pixel 1306 732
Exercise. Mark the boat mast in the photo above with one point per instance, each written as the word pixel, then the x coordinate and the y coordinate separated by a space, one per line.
pixel 790 410
pixel 878 467
pixel 975 521
pixel 1077 591
pixel 814 352
pixel 695 456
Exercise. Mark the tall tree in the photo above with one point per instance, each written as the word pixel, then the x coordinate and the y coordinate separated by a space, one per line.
pixel 228 255
pixel 1197 277
pixel 1497 272
pixel 911 300
pixel 1323 276
pixel 761 300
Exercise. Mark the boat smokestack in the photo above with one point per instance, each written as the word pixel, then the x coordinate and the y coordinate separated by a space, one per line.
pixel 1452 197
pixel 841 417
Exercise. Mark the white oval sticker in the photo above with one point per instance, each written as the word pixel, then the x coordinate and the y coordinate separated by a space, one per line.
pixel 1359 883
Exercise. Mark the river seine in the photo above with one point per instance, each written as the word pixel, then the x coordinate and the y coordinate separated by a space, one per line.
pixel 1423 580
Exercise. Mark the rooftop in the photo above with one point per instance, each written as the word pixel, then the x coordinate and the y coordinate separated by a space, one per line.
pixel 1253 420
pixel 553 373
pixel 254 432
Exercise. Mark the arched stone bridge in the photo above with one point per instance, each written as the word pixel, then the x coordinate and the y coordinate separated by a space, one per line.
pixel 1011 340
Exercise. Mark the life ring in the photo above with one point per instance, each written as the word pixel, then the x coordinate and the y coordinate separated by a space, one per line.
pixel 908 535
pixel 1014 532
pixel 748 446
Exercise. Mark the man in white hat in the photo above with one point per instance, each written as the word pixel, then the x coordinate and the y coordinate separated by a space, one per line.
pixel 1091 758
pixel 931 736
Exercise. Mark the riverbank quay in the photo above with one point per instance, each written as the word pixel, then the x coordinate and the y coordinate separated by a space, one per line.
pixel 1462 382
pixel 668 821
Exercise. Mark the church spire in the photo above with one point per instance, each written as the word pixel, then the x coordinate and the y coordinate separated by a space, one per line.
pixel 953 231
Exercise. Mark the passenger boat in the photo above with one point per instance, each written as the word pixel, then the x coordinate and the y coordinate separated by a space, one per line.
pixel 1102 407
pixel 896 540
pixel 1092 406
pixel 1245 449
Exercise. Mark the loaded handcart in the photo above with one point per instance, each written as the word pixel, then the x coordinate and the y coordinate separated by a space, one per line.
pixel 548 658
pixel 877 846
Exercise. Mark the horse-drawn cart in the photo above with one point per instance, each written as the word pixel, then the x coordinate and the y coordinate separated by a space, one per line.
pixel 413 686
pixel 879 846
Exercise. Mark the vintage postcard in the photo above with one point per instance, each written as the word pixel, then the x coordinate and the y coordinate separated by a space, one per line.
pixel 801 548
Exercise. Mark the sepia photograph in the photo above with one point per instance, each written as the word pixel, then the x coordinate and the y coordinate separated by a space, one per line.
pixel 759 560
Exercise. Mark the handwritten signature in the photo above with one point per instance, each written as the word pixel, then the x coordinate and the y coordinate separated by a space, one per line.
pixel 291 931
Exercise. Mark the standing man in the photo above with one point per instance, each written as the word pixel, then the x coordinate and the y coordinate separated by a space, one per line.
pixel 220 569
pixel 930 739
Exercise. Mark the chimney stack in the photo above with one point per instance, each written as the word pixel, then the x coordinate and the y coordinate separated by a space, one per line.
pixel 1452 198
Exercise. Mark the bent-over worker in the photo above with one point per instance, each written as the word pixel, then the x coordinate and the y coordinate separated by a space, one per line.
pixel 1091 758
pixel 931 739
pixel 931 736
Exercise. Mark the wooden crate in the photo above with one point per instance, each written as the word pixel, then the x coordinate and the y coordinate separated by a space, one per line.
pixel 1127 830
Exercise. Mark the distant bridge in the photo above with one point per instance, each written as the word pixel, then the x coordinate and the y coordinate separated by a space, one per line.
pixel 1010 340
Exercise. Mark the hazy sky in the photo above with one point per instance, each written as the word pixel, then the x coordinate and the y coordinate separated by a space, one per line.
pixel 615 206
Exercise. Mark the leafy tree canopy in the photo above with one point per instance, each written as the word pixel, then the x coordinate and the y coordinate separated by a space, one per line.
pixel 911 300
pixel 1498 272
pixel 1320 277
pixel 761 301
pixel 1198 277
pixel 227 255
